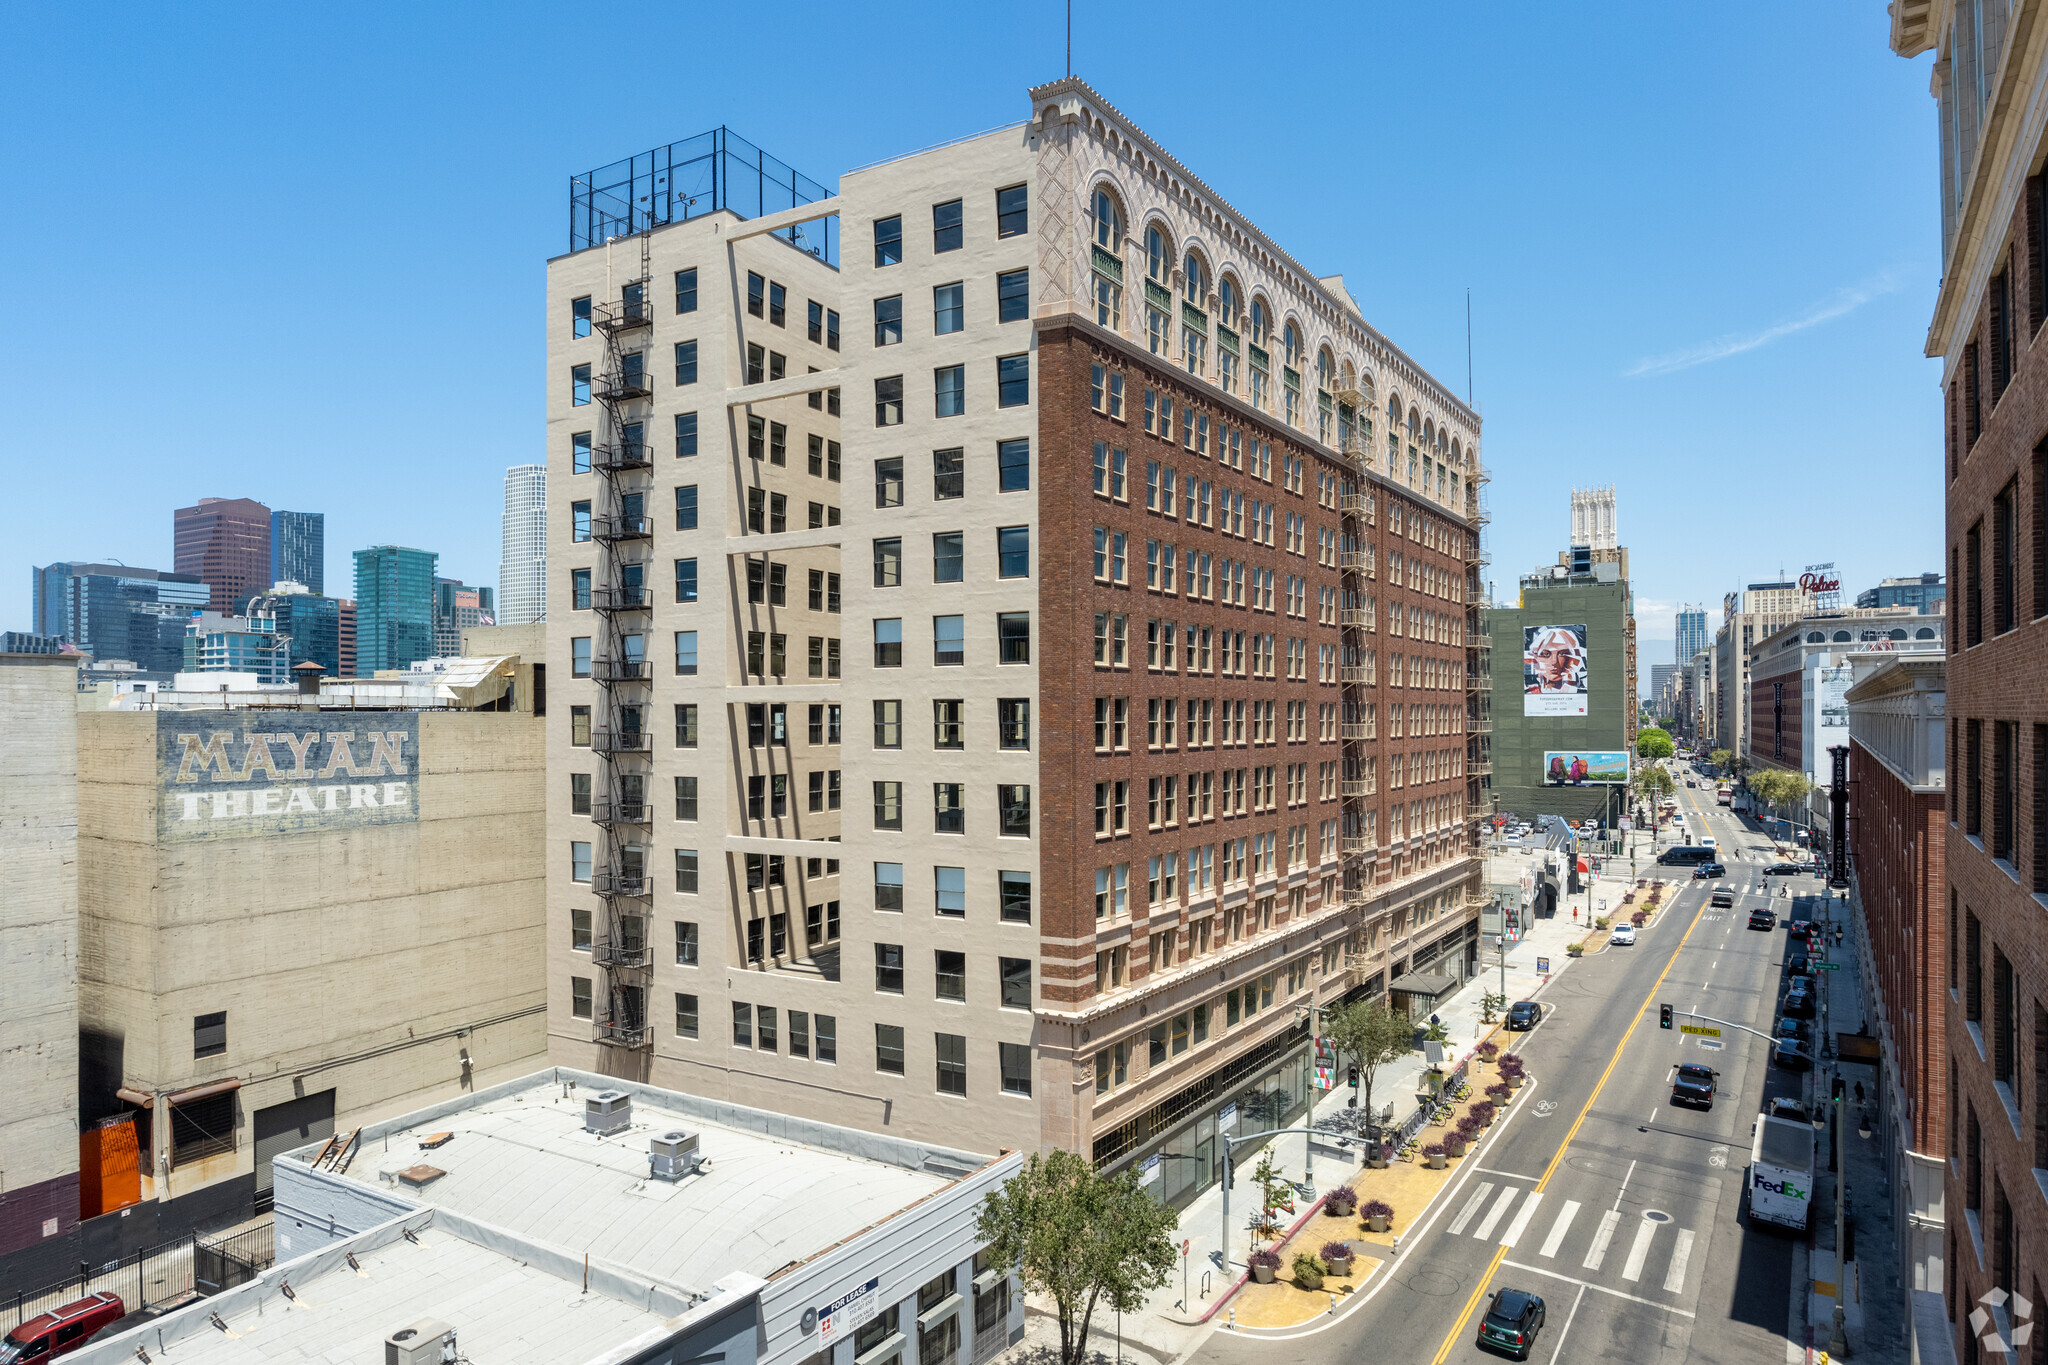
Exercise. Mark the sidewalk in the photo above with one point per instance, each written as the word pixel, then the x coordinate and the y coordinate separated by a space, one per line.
pixel 1170 1326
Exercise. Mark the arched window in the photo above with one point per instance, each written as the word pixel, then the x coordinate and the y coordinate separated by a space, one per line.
pixel 1228 305
pixel 1869 635
pixel 1924 633
pixel 1841 637
pixel 1326 371
pixel 1157 260
pixel 1109 223
pixel 1814 637
pixel 1293 345
pixel 1896 635
pixel 1197 280
pixel 1262 322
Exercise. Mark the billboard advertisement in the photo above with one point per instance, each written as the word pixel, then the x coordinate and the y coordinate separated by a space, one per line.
pixel 1585 767
pixel 236 775
pixel 1554 662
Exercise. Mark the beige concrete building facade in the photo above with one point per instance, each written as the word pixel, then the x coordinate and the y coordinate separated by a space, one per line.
pixel 39 944
pixel 294 920
pixel 1012 771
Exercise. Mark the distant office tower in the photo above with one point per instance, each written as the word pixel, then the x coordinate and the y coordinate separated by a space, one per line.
pixel 113 611
pixel 298 549
pixel 394 607
pixel 457 607
pixel 523 562
pixel 1692 634
pixel 234 644
pixel 311 622
pixel 226 542
pixel 28 642
pixel 1925 593
pixel 346 651
pixel 1593 518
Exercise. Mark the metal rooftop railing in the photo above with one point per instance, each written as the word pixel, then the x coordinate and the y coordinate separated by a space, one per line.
pixel 688 179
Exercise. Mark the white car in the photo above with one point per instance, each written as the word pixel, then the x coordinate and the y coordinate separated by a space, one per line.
pixel 1624 934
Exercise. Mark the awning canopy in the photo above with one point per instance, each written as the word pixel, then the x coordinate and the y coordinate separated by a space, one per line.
pixel 1423 983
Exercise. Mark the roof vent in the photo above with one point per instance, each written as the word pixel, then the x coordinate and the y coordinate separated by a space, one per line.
pixel 608 1112
pixel 424 1343
pixel 672 1155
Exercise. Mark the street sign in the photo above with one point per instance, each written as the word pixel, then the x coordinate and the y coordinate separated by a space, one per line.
pixel 1149 1172
pixel 1226 1122
pixel 1700 1030
pixel 1829 966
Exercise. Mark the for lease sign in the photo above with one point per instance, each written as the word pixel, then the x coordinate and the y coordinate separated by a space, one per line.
pixel 237 774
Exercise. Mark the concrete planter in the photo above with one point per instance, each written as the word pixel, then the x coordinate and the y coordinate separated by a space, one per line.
pixel 1339 1265
pixel 1436 1163
pixel 1377 1224
pixel 1263 1274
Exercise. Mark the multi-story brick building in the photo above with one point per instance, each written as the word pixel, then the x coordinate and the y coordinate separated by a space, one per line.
pixel 1897 819
pixel 1991 87
pixel 1076 671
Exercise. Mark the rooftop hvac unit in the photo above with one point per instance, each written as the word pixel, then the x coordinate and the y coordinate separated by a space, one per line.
pixel 424 1343
pixel 608 1112
pixel 672 1155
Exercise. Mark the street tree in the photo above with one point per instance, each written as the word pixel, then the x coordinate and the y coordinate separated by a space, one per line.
pixel 1079 1238
pixel 1778 788
pixel 1654 743
pixel 1371 1034
pixel 1719 758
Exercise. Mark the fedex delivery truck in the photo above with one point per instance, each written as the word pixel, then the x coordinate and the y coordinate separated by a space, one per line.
pixel 1781 1172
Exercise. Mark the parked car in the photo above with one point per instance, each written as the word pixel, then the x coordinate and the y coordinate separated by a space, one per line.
pixel 1694 1084
pixel 1511 1323
pixel 1524 1014
pixel 1782 870
pixel 1724 899
pixel 1799 966
pixel 1792 1056
pixel 1799 1003
pixel 1800 928
pixel 1708 870
pixel 1763 919
pixel 1784 1107
pixel 62 1330
pixel 1624 934
pixel 1791 1030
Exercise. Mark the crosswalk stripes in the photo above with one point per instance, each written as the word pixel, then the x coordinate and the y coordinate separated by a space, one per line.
pixel 1639 1251
pixel 1490 1204
pixel 1598 1251
pixel 1674 1278
pixel 1472 1206
pixel 1521 1223
pixel 1558 1229
pixel 1500 1206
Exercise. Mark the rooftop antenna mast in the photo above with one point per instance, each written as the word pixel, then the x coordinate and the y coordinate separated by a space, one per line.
pixel 1070 39
pixel 1468 346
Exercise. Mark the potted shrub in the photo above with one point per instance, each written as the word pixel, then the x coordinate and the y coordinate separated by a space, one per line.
pixel 1341 1202
pixel 1454 1143
pixel 1498 1092
pixel 1435 1153
pixel 1602 922
pixel 1488 1050
pixel 1513 1077
pixel 1575 950
pixel 1337 1256
pixel 1309 1270
pixel 1264 1264
pixel 1378 1215
pixel 1484 1112
pixel 1468 1128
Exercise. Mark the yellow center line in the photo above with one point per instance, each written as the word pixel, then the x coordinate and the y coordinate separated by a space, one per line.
pixel 1500 1253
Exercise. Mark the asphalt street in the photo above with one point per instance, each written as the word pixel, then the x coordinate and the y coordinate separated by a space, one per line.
pixel 1624 1213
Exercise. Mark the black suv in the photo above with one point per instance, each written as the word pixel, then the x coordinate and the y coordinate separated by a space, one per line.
pixel 1723 899
pixel 1511 1323
pixel 1763 919
pixel 1784 870
pixel 1524 1014
pixel 1706 870
pixel 1694 1084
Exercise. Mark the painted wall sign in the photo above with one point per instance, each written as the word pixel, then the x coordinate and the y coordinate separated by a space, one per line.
pixel 238 774
pixel 848 1311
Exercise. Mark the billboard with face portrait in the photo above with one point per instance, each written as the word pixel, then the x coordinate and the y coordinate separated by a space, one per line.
pixel 1584 767
pixel 1554 670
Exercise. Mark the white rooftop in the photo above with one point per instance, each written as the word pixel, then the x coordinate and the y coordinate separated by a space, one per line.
pixel 521 1159
pixel 509 1303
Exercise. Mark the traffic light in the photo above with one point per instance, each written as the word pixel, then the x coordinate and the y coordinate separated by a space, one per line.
pixel 1837 1095
pixel 1354 1075
pixel 1663 1016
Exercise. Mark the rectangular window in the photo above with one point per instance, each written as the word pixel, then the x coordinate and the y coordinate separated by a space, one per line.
pixel 686 435
pixel 889 481
pixel 889 241
pixel 947 557
pixel 949 313
pixel 210 1034
pixel 888 563
pixel 686 291
pixel 889 1057
pixel 686 943
pixel 889 643
pixel 1013 551
pixel 952 1050
pixel 949 891
pixel 579 997
pixel 686 871
pixel 1013 722
pixel 1013 217
pixel 947 730
pixel 815 321
pixel 579 386
pixel 949 971
pixel 888 805
pixel 579 930
pixel 579 453
pixel 1016 982
pixel 686 507
pixel 686 363
pixel 757 289
pixel 686 1015
pixel 949 391
pixel 579 317
pixel 889 968
pixel 946 232
pixel 742 1025
pixel 889 320
pixel 579 590
pixel 2004 559
pixel 686 652
pixel 579 793
pixel 949 816
pixel 1013 296
pixel 778 301
pixel 1013 381
pixel 1013 466
pixel 579 726
pixel 1016 1066
pixel 1013 637
pixel 579 521
pixel 946 474
pixel 888 725
pixel 1014 891
pixel 888 886
pixel 949 642
pixel 686 580
pixel 889 401
pixel 579 860
pixel 1014 810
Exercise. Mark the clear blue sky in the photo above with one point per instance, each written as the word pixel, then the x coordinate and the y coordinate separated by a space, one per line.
pixel 295 253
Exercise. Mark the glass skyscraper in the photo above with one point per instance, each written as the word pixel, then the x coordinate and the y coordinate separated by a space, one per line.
pixel 113 611
pixel 1692 633
pixel 394 607
pixel 298 549
pixel 225 542
pixel 523 561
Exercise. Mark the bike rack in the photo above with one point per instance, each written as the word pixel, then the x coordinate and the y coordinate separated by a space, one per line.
pixel 1205 1284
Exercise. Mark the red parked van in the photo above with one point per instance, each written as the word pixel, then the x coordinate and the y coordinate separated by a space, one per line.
pixel 62 1330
